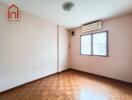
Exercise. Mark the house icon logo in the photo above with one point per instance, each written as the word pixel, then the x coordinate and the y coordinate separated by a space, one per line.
pixel 13 13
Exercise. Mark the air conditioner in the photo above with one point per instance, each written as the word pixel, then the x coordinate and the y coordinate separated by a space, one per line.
pixel 92 26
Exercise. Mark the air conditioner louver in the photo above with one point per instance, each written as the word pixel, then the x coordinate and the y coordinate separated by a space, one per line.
pixel 92 26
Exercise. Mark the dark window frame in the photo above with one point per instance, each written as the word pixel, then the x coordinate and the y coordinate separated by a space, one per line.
pixel 107 44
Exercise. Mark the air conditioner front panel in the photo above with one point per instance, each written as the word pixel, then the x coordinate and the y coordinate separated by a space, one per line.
pixel 92 26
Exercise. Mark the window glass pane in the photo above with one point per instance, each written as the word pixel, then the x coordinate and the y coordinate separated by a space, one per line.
pixel 100 44
pixel 86 44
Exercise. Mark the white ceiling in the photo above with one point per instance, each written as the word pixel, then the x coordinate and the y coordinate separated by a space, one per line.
pixel 83 12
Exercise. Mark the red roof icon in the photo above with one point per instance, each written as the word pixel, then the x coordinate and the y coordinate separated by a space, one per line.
pixel 13 6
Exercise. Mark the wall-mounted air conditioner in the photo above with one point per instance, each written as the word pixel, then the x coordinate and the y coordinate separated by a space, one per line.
pixel 92 26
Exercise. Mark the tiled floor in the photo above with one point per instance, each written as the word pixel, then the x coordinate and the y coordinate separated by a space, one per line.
pixel 71 85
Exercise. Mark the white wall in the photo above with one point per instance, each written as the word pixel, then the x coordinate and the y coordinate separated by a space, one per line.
pixel 119 63
pixel 63 48
pixel 28 50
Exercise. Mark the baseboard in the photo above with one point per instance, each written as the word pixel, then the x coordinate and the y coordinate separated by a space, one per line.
pixel 124 82
pixel 11 89
pixel 6 91
pixel 64 69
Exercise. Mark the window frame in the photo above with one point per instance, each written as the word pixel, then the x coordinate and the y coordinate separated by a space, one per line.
pixel 107 44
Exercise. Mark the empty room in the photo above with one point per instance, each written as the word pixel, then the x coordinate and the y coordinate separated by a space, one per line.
pixel 65 49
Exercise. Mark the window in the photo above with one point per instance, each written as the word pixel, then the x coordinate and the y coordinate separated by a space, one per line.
pixel 95 44
pixel 86 44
